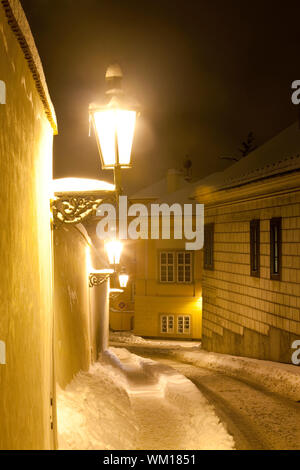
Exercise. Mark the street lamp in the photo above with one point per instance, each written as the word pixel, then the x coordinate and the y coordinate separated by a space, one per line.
pixel 113 249
pixel 123 279
pixel 114 125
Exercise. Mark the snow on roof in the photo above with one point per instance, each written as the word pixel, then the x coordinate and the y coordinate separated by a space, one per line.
pixel 279 155
pixel 19 25
pixel 159 189
pixel 182 196
pixel 153 191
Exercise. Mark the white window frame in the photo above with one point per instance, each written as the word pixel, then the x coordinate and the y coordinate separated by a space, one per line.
pixel 184 318
pixel 175 265
pixel 169 320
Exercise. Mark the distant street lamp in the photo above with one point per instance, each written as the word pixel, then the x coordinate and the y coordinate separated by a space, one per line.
pixel 114 249
pixel 123 279
pixel 114 125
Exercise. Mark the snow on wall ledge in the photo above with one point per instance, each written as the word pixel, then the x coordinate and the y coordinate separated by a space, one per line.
pixel 20 27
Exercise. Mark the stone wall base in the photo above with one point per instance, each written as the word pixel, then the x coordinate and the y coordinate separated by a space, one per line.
pixel 275 347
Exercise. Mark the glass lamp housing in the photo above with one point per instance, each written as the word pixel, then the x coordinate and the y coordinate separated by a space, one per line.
pixel 123 279
pixel 114 250
pixel 114 129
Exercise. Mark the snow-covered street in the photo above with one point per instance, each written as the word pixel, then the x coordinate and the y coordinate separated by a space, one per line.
pixel 256 416
pixel 151 394
pixel 133 403
pixel 257 419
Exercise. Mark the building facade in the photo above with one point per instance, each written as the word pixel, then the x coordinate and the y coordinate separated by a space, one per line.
pixel 168 291
pixel 251 256
pixel 27 125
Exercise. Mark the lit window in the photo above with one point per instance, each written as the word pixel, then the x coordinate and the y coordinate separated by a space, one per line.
pixel 209 246
pixel 275 248
pixel 184 324
pixel 255 248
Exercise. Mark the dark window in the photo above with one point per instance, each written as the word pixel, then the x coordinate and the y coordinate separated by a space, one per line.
pixel 167 266
pixel 184 267
pixel 275 249
pixel 209 246
pixel 176 266
pixel 254 247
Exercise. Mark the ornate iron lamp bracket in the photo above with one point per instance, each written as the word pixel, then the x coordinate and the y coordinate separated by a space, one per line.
pixel 96 279
pixel 74 208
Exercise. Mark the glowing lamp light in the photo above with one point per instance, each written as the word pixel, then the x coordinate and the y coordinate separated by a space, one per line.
pixel 114 250
pixel 123 279
pixel 64 185
pixel 114 122
pixel 114 131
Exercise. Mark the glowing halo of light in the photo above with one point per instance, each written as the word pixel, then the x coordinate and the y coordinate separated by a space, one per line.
pixel 65 185
pixel 113 249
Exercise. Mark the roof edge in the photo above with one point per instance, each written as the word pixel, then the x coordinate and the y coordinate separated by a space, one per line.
pixel 19 25
pixel 266 187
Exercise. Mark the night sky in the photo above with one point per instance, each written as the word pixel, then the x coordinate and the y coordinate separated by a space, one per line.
pixel 206 73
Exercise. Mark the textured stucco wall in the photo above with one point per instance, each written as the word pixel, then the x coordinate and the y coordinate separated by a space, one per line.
pixel 81 312
pixel 25 244
pixel 99 314
pixel 71 304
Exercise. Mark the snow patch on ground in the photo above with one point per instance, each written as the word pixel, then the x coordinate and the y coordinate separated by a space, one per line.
pixel 126 337
pixel 94 413
pixel 128 402
pixel 283 379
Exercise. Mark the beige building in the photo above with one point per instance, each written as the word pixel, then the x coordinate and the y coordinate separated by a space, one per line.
pixel 251 276
pixel 168 292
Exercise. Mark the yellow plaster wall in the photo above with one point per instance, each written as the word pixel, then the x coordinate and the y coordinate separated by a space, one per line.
pixel 154 298
pixel 81 314
pixel 25 272
pixel 72 304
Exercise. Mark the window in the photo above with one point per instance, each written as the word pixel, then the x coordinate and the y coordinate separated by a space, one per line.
pixel 176 267
pixel 184 267
pixel 275 248
pixel 255 248
pixel 209 246
pixel 184 324
pixel 167 324
pixel 167 267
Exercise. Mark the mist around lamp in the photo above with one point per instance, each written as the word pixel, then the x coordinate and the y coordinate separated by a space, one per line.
pixel 114 126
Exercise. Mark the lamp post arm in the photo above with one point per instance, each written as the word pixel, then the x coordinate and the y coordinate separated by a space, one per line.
pixel 118 182
pixel 96 279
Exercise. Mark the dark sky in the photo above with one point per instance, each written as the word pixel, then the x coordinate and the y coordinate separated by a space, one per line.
pixel 205 73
